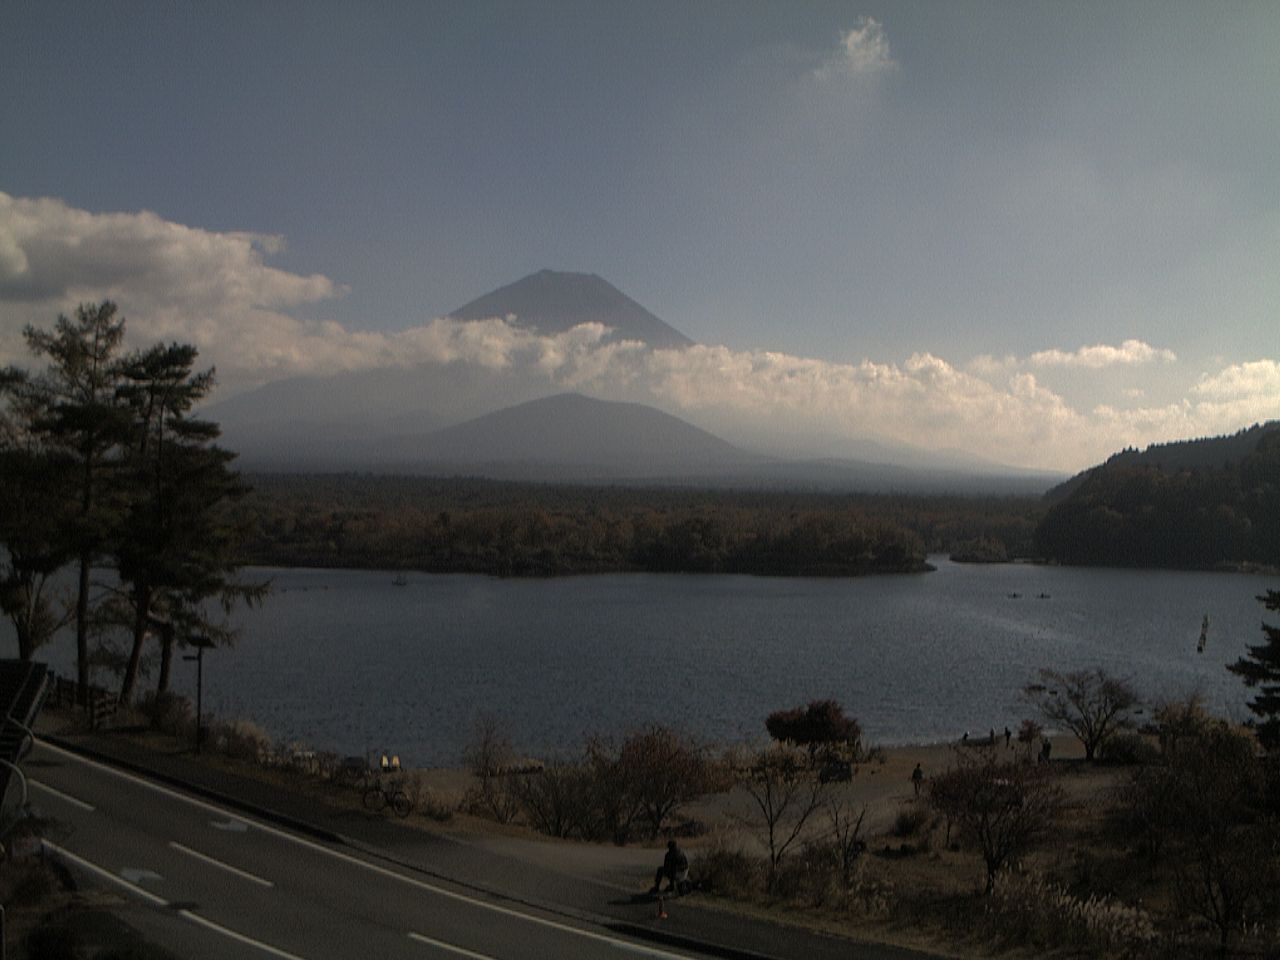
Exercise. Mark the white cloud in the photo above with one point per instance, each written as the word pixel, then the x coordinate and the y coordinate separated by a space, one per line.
pixel 171 281
pixel 864 50
pixel 216 290
pixel 1129 353
pixel 986 365
pixel 1259 379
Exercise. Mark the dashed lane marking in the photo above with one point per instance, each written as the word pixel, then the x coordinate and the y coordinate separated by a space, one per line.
pixel 151 898
pixel 74 801
pixel 616 942
pixel 451 948
pixel 213 862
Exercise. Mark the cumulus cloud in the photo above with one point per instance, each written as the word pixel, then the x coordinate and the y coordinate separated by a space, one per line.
pixel 1129 353
pixel 218 291
pixel 172 281
pixel 863 51
pixel 1260 378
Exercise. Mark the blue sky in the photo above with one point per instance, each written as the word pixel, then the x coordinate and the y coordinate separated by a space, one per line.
pixel 1063 217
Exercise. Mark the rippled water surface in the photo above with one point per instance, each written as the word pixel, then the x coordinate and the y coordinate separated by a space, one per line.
pixel 348 660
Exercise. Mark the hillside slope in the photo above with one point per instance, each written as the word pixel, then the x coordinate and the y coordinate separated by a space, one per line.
pixel 1205 503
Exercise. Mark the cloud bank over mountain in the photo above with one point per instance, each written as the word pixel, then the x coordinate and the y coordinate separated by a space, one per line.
pixel 248 318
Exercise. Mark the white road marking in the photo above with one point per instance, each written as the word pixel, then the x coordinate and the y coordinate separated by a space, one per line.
pixel 75 802
pixel 375 868
pixel 240 937
pixel 482 904
pixel 231 826
pixel 460 951
pixel 251 877
pixel 136 875
pixel 107 875
pixel 132 778
pixel 161 902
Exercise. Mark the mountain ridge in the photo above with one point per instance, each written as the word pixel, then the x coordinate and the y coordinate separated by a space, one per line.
pixel 551 302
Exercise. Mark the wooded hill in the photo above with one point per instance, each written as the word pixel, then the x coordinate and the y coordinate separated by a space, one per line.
pixel 520 529
pixel 1195 504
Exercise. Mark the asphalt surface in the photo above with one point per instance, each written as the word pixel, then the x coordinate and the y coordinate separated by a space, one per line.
pixel 506 882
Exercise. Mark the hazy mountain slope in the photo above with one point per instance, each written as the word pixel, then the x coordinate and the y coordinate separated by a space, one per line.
pixel 573 432
pixel 552 302
pixel 324 420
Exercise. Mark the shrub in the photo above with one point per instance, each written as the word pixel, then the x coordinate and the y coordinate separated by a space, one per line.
pixel 496 799
pixel 1003 809
pixel 1025 908
pixel 785 794
pixel 489 757
pixel 727 871
pixel 810 876
pixel 1177 722
pixel 910 821
pixel 423 798
pixel 169 713
pixel 556 800
pixel 820 726
pixel 662 770
pixel 867 893
pixel 1130 748
pixel 645 780
pixel 242 740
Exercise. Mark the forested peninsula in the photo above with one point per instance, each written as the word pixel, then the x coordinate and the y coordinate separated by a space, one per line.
pixel 1202 504
pixel 1199 504
pixel 519 529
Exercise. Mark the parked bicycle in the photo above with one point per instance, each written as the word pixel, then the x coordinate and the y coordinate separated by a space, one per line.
pixel 378 796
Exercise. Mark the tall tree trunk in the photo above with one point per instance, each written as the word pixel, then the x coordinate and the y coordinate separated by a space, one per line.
pixel 142 607
pixel 26 643
pixel 82 627
pixel 166 660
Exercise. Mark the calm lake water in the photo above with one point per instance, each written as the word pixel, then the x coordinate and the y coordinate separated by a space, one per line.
pixel 349 661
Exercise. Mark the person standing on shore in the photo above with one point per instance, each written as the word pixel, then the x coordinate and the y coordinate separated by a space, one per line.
pixel 917 779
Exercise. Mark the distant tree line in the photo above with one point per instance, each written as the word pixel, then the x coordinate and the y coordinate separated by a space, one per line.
pixel 1145 514
pixel 513 529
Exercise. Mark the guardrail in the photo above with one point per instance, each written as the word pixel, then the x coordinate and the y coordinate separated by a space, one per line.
pixel 98 703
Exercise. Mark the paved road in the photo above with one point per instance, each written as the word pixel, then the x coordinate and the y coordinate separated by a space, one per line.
pixel 210 883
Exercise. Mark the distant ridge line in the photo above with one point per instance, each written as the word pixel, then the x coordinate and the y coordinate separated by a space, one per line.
pixel 550 302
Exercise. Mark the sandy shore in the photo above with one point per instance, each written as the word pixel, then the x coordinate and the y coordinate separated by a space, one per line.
pixel 883 788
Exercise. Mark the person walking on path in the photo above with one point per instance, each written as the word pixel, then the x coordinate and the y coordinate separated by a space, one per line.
pixel 917 779
pixel 675 868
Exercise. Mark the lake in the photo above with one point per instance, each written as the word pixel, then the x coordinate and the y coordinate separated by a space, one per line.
pixel 350 661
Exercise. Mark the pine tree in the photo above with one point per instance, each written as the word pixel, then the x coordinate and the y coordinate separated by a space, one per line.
pixel 82 418
pixel 1261 669
pixel 173 548
pixel 36 508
